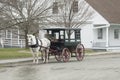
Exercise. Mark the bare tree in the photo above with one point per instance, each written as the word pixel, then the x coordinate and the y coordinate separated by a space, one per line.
pixel 25 15
pixel 70 13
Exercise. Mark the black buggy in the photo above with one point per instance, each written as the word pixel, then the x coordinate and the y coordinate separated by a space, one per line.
pixel 65 42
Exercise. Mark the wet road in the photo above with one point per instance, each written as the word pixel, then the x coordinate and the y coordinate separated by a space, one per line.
pixel 102 67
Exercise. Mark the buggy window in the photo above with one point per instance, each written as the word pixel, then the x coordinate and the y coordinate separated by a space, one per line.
pixel 77 34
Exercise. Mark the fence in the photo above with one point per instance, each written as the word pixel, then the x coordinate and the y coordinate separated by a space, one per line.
pixel 18 43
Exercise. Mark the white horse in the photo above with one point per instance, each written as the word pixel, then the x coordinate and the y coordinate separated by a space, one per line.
pixel 38 45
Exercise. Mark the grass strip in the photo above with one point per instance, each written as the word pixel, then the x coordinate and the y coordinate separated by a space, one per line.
pixel 12 53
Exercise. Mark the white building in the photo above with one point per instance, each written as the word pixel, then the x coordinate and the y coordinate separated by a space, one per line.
pixel 11 38
pixel 106 33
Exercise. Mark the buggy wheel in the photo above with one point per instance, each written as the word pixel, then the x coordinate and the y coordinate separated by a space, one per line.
pixel 80 52
pixel 58 57
pixel 66 54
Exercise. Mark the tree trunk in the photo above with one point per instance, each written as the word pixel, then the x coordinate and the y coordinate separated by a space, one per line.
pixel 26 40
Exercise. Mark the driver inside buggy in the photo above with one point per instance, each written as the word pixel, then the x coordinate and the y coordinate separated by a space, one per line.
pixel 51 37
pixel 54 41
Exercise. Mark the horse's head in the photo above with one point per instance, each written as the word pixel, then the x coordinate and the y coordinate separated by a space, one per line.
pixel 31 39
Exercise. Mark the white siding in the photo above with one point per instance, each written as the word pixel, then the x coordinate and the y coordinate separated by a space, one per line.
pixel 99 42
pixel 112 41
pixel 87 35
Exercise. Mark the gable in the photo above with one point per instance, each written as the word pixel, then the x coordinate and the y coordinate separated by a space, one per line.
pixel 109 9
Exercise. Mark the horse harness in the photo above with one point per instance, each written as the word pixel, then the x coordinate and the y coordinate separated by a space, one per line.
pixel 37 45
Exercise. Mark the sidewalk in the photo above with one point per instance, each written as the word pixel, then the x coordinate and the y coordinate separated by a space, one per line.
pixel 14 60
pixel 30 59
pixel 102 53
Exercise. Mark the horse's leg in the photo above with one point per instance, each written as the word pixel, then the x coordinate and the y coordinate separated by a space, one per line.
pixel 47 55
pixel 37 56
pixel 33 54
pixel 41 55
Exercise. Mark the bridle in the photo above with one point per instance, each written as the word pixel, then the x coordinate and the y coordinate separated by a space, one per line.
pixel 35 45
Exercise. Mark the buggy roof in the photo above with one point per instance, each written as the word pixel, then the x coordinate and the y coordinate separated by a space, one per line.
pixel 62 28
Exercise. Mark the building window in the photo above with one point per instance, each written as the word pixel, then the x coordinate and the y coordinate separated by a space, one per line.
pixel 100 33
pixel 8 34
pixel 15 33
pixel 116 33
pixel 75 6
pixel 55 8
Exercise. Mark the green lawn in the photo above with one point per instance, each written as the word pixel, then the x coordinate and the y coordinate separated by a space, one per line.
pixel 12 53
pixel 89 51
